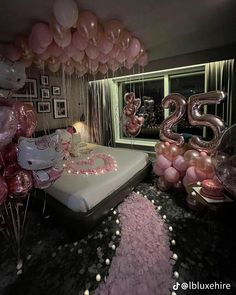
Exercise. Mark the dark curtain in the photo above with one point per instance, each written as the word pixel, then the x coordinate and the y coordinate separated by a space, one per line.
pixel 99 113
pixel 221 76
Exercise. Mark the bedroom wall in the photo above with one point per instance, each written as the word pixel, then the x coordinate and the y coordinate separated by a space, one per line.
pixel 72 89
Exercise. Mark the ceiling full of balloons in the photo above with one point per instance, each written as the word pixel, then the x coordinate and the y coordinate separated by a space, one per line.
pixel 78 42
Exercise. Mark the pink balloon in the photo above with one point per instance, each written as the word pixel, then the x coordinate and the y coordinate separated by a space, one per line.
pixel 70 50
pixel 12 52
pixel 44 56
pixel 113 29
pixel 171 152
pixel 191 157
pixel 26 119
pixel 103 68
pixel 79 41
pixel 54 50
pixel 103 58
pixel 191 174
pixel 92 51
pixel 66 12
pixel 162 162
pixel 125 39
pixel 180 164
pixel 64 58
pixel 105 46
pixel 8 124
pixel 93 66
pixel 63 41
pixel 9 153
pixel 143 59
pixel 115 51
pixel 87 24
pixel 35 46
pixel 133 126
pixel 160 148
pixel 54 67
pixel 113 65
pixel 203 175
pixel 78 57
pixel 171 175
pixel 134 48
pixel 99 35
pixel 157 170
pixel 128 65
pixel 121 57
pixel 205 164
pixel 41 35
pixel 19 184
pixel 69 69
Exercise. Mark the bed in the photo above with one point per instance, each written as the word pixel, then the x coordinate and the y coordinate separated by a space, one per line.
pixel 87 198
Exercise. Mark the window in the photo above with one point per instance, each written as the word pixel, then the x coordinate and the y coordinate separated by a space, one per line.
pixel 187 85
pixel 151 94
pixel 151 88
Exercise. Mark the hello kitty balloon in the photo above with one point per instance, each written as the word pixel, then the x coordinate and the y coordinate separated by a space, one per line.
pixel 12 76
pixel 39 153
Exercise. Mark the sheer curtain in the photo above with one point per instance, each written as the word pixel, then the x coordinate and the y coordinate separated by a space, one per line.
pixel 221 76
pixel 99 113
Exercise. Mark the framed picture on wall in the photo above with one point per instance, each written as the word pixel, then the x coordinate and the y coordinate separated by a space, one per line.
pixel 56 90
pixel 44 107
pixel 45 93
pixel 29 90
pixel 44 80
pixel 60 108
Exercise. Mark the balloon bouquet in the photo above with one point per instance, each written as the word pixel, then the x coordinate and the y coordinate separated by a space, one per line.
pixel 178 164
pixel 131 123
pixel 76 41
pixel 24 162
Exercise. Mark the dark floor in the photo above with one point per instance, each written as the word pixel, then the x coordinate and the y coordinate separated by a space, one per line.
pixel 56 262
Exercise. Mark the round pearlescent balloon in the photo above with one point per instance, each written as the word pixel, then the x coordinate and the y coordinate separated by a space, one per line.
pixel 225 160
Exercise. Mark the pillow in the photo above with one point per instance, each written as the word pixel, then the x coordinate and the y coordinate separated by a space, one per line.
pixel 76 138
pixel 66 141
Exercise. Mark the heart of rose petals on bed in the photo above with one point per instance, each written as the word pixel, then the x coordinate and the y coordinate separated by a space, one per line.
pixel 93 165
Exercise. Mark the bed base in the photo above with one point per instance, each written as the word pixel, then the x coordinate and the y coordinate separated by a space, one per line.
pixel 83 222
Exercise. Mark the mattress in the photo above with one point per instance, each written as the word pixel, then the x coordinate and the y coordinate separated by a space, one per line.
pixel 81 193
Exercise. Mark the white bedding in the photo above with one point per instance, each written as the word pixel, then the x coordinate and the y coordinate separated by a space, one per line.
pixel 81 193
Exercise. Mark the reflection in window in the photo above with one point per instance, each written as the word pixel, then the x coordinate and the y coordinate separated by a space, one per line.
pixel 187 86
pixel 151 94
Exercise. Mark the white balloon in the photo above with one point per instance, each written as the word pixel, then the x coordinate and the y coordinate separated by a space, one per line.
pixel 66 12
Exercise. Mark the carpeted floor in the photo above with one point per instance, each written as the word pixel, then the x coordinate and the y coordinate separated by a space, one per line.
pixel 56 262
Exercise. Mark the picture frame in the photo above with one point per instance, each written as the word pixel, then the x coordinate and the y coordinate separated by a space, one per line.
pixel 43 107
pixel 29 90
pixel 44 80
pixel 56 90
pixel 45 93
pixel 60 108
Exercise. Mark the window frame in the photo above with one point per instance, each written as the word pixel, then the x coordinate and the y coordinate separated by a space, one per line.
pixel 136 78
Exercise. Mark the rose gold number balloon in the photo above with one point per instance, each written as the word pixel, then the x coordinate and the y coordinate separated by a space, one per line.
pixel 196 118
pixel 180 103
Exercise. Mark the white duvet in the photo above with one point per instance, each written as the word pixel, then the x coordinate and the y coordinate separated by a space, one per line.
pixel 81 193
